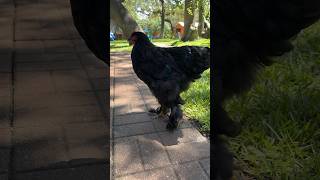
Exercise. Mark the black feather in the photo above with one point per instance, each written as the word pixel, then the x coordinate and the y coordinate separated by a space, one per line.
pixel 168 71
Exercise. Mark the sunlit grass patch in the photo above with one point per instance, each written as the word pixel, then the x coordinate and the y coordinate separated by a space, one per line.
pixel 123 45
pixel 197 98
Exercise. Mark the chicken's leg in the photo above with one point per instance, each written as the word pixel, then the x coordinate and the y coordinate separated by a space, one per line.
pixel 175 116
pixel 222 159
pixel 162 110
pixel 224 125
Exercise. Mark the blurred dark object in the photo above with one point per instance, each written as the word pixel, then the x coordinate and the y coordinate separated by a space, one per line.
pixel 247 34
pixel 90 19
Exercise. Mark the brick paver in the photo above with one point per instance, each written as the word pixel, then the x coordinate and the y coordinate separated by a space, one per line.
pixel 54 118
pixel 142 148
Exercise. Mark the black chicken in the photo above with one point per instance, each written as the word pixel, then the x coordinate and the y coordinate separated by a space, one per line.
pixel 90 19
pixel 246 34
pixel 167 71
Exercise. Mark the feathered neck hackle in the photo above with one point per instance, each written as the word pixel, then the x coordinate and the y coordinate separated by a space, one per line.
pixel 140 38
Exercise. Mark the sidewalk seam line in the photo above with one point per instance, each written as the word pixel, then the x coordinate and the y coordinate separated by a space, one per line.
pixel 140 154
pixel 112 174
pixel 158 168
pixel 11 165
pixel 202 167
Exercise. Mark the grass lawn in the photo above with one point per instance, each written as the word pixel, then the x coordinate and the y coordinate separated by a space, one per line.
pixel 197 98
pixel 123 45
pixel 280 116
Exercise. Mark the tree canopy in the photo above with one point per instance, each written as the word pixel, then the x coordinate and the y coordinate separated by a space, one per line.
pixel 159 17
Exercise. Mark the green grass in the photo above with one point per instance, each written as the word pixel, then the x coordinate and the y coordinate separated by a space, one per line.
pixel 280 116
pixel 197 97
pixel 200 42
pixel 120 46
pixel 123 46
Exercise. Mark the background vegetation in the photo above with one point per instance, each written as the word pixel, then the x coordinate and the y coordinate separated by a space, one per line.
pixel 161 16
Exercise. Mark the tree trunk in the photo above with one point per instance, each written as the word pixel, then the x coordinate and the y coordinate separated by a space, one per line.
pixel 188 18
pixel 162 18
pixel 201 18
pixel 171 26
pixel 121 17
pixel 207 29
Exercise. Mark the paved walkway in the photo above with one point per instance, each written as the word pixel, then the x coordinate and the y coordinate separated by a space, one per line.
pixel 142 148
pixel 52 96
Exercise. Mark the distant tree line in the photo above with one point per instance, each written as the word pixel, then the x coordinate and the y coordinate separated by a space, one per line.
pixel 161 16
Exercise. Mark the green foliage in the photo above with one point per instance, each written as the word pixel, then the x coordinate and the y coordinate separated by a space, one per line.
pixel 147 13
pixel 154 26
pixel 120 46
pixel 197 98
pixel 206 9
pixel 123 45
pixel 280 116
pixel 199 42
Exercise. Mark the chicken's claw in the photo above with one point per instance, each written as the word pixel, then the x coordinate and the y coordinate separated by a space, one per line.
pixel 156 111
pixel 172 125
